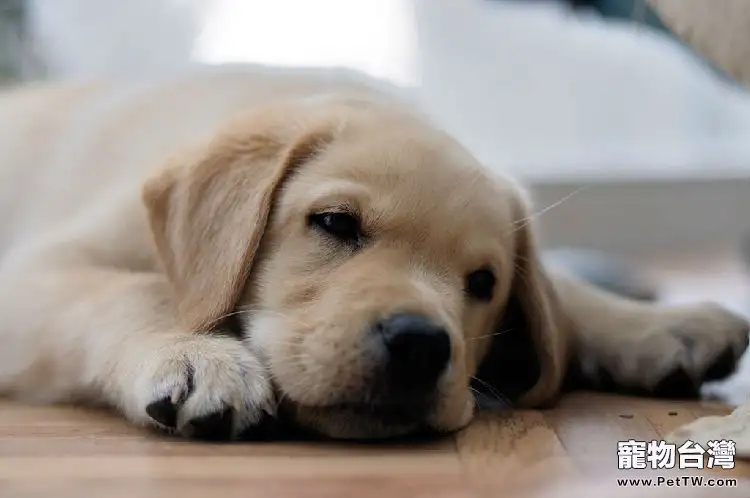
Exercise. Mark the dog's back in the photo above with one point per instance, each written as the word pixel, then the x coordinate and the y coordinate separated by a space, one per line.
pixel 69 150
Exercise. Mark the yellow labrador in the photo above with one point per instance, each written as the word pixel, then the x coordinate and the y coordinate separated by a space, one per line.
pixel 312 249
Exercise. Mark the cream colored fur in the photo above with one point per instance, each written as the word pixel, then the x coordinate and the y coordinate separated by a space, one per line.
pixel 733 427
pixel 136 216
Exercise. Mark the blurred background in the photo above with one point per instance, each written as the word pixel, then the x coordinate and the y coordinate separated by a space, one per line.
pixel 643 135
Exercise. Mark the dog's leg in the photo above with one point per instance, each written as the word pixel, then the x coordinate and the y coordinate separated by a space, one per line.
pixel 643 348
pixel 110 337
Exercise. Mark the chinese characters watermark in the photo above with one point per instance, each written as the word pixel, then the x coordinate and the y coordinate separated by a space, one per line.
pixel 634 454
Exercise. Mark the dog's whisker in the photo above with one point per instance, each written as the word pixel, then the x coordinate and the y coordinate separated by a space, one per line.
pixel 495 334
pixel 494 392
pixel 476 395
pixel 219 319
pixel 524 222
pixel 253 311
pixel 285 316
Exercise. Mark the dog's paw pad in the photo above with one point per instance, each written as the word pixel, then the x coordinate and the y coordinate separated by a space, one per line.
pixel 722 367
pixel 676 384
pixel 215 426
pixel 268 428
pixel 163 412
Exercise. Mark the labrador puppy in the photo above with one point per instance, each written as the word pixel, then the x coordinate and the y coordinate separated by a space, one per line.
pixel 201 250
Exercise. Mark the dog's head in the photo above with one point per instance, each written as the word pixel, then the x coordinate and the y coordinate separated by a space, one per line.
pixel 380 272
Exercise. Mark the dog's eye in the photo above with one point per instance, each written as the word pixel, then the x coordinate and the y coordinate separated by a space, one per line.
pixel 344 226
pixel 480 284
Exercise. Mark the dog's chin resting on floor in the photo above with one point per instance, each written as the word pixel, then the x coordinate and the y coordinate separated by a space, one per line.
pixel 209 250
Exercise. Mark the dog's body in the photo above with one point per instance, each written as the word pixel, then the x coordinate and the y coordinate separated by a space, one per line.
pixel 320 210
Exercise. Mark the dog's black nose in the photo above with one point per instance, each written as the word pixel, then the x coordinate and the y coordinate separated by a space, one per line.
pixel 418 350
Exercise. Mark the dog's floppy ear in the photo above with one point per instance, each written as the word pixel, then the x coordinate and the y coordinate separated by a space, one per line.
pixel 525 361
pixel 208 210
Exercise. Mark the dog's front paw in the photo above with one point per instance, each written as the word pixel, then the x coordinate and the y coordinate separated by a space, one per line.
pixel 203 387
pixel 674 354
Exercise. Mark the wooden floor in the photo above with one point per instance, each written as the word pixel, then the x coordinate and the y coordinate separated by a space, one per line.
pixel 67 452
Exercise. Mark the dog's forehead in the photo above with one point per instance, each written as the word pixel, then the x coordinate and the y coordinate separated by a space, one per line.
pixel 417 171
